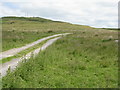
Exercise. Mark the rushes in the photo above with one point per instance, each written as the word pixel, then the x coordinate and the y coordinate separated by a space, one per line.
pixel 68 63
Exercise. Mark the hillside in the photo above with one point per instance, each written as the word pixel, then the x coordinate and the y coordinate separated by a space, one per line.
pixel 87 58
pixel 38 19
pixel 37 24
pixel 18 31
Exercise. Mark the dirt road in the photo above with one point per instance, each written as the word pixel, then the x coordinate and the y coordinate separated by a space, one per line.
pixel 15 62
pixel 14 51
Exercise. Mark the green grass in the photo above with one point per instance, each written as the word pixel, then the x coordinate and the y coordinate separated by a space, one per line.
pixel 24 52
pixel 85 59
pixel 23 24
pixel 18 31
pixel 15 39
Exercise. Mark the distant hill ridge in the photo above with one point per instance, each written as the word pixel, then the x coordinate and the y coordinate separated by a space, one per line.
pixel 29 19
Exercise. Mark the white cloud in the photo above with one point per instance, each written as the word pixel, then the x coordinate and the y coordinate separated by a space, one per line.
pixel 97 13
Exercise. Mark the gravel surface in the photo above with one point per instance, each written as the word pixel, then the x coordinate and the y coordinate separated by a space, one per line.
pixel 14 51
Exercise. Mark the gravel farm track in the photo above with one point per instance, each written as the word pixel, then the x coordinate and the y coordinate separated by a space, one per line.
pixel 14 62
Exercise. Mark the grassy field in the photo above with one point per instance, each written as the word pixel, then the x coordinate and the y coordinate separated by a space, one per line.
pixel 14 39
pixel 20 31
pixel 86 59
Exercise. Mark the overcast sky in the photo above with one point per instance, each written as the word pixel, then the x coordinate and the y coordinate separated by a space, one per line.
pixel 96 13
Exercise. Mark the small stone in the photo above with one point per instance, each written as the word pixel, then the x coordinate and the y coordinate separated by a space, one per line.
pixel 116 40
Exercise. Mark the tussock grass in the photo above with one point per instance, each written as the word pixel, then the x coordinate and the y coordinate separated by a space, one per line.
pixel 80 60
